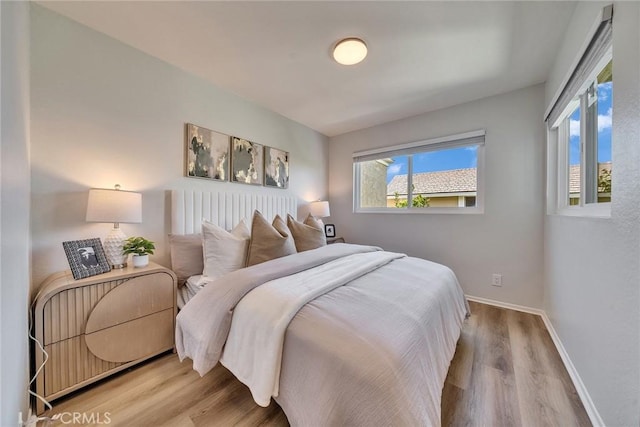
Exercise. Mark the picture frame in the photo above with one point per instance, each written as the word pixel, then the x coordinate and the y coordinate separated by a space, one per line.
pixel 330 230
pixel 276 168
pixel 86 257
pixel 247 161
pixel 207 153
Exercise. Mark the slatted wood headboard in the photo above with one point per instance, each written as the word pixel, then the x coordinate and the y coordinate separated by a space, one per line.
pixel 226 209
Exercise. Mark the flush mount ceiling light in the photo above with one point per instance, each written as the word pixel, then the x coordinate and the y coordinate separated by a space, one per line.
pixel 350 51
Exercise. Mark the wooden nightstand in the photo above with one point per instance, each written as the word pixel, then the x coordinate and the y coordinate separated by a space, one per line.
pixel 94 327
pixel 331 240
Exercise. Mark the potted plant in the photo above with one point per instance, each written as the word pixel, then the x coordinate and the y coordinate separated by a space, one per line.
pixel 140 248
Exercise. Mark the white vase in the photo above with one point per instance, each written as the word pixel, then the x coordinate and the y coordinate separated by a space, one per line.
pixel 140 260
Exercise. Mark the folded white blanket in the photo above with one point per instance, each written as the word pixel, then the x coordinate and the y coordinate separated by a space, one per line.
pixel 203 324
pixel 253 351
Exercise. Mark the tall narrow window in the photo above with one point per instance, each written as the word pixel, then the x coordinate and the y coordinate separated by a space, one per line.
pixel 581 120
pixel 437 175
pixel 588 143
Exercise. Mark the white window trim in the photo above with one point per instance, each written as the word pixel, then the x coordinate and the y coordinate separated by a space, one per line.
pixel 438 144
pixel 592 210
pixel 558 173
pixel 557 195
pixel 558 150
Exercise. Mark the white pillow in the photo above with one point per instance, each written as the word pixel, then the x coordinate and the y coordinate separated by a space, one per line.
pixel 224 251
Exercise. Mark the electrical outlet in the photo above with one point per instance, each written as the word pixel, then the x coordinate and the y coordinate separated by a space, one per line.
pixel 497 280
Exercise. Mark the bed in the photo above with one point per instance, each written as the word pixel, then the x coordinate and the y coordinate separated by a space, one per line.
pixel 338 335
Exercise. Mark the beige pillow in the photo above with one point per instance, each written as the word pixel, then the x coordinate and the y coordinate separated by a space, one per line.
pixel 224 251
pixel 186 255
pixel 308 234
pixel 269 241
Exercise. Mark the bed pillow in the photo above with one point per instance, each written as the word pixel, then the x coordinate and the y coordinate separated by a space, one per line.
pixel 186 255
pixel 269 241
pixel 308 234
pixel 224 251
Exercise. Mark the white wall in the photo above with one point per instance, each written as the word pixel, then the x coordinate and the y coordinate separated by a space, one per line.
pixel 14 210
pixel 592 266
pixel 576 37
pixel 506 239
pixel 104 113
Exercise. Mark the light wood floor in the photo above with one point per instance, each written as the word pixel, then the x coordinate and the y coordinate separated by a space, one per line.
pixel 506 372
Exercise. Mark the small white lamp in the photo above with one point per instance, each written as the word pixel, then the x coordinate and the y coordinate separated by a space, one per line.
pixel 114 206
pixel 319 210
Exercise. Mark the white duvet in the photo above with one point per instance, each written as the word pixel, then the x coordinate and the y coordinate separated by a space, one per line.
pixel 340 335
pixel 253 351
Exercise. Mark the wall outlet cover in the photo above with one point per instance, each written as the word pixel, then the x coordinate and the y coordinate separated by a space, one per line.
pixel 496 280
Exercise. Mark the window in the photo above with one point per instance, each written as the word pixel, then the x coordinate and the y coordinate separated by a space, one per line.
pixel 580 125
pixel 574 156
pixel 439 175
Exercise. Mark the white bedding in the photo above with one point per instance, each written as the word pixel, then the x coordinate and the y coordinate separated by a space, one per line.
pixel 253 351
pixel 373 351
pixel 192 286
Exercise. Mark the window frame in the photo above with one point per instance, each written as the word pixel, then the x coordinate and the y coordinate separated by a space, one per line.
pixel 592 57
pixel 559 136
pixel 419 147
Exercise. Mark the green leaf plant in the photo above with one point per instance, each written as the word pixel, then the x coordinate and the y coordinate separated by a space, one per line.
pixel 138 246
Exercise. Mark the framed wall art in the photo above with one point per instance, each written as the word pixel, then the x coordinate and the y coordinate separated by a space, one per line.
pixel 276 168
pixel 207 153
pixel 247 161
pixel 86 258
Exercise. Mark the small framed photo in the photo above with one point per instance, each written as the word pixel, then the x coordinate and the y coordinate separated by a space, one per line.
pixel 330 230
pixel 86 258
pixel 247 161
pixel 276 168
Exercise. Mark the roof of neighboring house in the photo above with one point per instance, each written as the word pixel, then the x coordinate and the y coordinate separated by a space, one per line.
pixel 574 175
pixel 451 181
pixel 574 178
pixel 464 180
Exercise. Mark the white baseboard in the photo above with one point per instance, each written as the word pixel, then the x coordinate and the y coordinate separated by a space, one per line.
pixel 594 416
pixel 501 304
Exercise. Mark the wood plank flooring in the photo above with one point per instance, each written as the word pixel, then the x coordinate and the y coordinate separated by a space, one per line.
pixel 506 372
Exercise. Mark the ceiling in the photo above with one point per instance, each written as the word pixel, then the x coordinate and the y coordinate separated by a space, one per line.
pixel 423 56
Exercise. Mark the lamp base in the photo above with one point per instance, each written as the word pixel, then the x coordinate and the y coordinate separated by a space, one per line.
pixel 113 248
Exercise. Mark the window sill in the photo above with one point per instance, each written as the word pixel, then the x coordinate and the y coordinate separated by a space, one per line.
pixel 421 211
pixel 599 210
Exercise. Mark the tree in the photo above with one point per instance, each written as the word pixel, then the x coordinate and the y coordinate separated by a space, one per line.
pixel 418 201
pixel 399 203
pixel 604 181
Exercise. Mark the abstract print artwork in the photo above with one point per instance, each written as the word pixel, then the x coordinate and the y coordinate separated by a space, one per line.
pixel 276 168
pixel 247 164
pixel 207 153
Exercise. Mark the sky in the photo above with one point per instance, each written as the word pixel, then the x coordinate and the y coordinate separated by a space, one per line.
pixel 456 158
pixel 461 158
pixel 604 127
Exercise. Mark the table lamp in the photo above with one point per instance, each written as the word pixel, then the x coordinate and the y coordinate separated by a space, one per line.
pixel 319 209
pixel 114 206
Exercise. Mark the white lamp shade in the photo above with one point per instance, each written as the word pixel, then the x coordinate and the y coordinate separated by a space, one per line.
pixel 319 209
pixel 114 206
